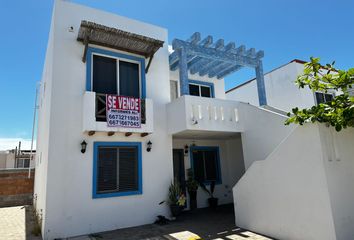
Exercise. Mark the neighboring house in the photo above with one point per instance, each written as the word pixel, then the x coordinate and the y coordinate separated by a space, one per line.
pixel 17 159
pixel 99 169
pixel 282 92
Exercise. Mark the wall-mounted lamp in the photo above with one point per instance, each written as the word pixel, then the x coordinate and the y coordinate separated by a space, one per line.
pixel 83 146
pixel 148 146
pixel 186 148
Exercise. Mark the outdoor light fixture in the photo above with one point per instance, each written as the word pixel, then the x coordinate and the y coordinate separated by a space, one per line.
pixel 186 149
pixel 148 146
pixel 83 146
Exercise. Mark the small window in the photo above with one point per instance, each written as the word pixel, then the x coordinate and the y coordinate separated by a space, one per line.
pixel 323 97
pixel 23 163
pixel 205 163
pixel 117 169
pixel 200 90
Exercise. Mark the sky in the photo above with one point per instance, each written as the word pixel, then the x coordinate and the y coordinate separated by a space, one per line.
pixel 283 29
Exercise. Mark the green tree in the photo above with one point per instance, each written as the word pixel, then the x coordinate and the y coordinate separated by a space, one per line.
pixel 339 112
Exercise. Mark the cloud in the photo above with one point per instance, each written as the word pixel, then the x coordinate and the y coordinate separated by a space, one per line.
pixel 12 143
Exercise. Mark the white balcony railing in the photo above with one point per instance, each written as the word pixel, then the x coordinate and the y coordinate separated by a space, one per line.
pixel 92 119
pixel 199 113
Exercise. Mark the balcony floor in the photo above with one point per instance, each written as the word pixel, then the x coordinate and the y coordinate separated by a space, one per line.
pixel 205 135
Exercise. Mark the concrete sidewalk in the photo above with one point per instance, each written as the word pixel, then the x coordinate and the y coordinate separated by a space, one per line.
pixel 16 223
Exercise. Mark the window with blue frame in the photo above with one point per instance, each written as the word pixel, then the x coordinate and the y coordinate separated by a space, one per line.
pixel 201 89
pixel 117 169
pixel 111 72
pixel 206 164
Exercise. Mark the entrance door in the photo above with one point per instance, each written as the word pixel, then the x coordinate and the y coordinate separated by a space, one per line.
pixel 178 167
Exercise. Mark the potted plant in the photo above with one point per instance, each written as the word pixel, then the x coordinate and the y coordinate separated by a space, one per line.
pixel 176 198
pixel 192 187
pixel 213 201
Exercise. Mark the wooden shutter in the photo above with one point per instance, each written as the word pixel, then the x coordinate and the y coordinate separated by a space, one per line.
pixel 117 169
pixel 211 169
pixel 107 169
pixel 128 169
pixel 198 166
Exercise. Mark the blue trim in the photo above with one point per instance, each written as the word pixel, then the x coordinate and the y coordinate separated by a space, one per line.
pixel 95 161
pixel 209 84
pixel 208 148
pixel 92 50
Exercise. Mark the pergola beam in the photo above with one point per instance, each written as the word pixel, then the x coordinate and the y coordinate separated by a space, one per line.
pixel 216 60
pixel 262 97
pixel 206 64
pixel 195 38
pixel 228 71
pixel 183 72
pixel 211 53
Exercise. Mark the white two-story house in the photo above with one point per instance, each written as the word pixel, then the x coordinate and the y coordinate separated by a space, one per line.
pixel 97 170
pixel 282 92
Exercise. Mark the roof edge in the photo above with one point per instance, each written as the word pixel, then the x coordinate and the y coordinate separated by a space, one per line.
pixel 250 80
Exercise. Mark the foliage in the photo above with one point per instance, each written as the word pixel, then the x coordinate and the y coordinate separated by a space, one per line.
pixel 192 184
pixel 212 188
pixel 175 195
pixel 37 228
pixel 339 112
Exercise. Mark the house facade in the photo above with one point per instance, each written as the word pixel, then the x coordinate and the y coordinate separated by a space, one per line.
pixel 17 159
pixel 121 116
pixel 282 92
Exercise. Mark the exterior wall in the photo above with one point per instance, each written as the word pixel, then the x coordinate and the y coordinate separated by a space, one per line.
pixel 219 85
pixel 199 113
pixel 65 186
pixel 10 160
pixel 42 141
pixel 7 160
pixel 281 91
pixel 264 131
pixel 286 195
pixel 15 187
pixel 339 166
pixel 231 164
pixel 3 156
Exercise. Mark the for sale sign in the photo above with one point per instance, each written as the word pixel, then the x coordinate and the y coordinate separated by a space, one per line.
pixel 123 111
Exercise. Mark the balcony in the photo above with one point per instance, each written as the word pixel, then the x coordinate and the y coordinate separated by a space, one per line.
pixel 94 115
pixel 197 114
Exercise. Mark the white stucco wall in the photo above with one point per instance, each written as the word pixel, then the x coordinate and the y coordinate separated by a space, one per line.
pixel 231 164
pixel 281 91
pixel 339 166
pixel 219 84
pixel 286 195
pixel 10 160
pixel 43 129
pixel 305 187
pixel 64 179
pixel 264 131
pixel 3 155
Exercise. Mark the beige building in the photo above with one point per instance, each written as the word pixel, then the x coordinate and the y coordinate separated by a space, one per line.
pixel 17 159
